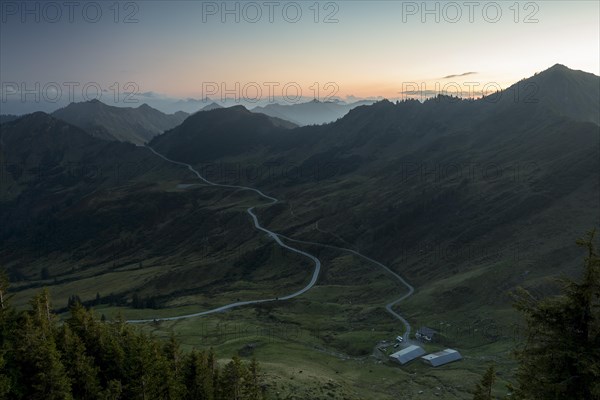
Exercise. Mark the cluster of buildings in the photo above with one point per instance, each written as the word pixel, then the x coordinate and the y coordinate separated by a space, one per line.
pixel 434 359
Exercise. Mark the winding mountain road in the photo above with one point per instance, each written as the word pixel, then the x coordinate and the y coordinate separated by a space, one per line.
pixel 389 306
pixel 277 237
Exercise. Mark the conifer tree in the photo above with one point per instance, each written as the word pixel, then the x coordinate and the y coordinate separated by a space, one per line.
pixel 561 357
pixel 43 376
pixel 252 388
pixel 173 388
pixel 5 381
pixel 3 290
pixel 80 367
pixel 232 378
pixel 483 390
pixel 85 359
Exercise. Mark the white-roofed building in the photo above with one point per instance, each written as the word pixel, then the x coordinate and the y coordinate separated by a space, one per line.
pixel 408 354
pixel 442 357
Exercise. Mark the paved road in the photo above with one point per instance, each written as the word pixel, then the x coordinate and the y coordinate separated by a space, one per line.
pixel 277 237
pixel 389 306
pixel 271 234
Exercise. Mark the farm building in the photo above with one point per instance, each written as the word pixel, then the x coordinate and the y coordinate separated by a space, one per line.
pixel 425 334
pixel 442 357
pixel 408 354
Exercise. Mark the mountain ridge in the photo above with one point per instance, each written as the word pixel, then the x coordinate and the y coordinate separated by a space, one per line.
pixel 126 124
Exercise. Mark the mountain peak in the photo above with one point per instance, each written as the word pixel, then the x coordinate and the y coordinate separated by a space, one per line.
pixel 563 70
pixel 145 106
pixel 239 108
pixel 211 106
pixel 558 89
pixel 559 67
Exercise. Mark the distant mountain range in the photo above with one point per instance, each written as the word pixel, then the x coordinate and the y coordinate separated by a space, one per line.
pixel 136 125
pixel 310 113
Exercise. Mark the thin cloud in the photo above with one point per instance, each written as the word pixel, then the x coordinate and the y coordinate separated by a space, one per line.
pixel 459 75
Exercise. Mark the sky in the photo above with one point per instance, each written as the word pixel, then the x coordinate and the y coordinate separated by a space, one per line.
pixel 251 50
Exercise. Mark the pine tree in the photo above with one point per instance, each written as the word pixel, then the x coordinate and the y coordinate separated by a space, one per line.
pixel 73 301
pixel 7 329
pixel 174 388
pixel 195 370
pixel 252 389
pixel 113 390
pixel 80 367
pixel 3 290
pixel 41 313
pixel 43 376
pixel 5 381
pixel 483 390
pixel 211 379
pixel 561 357
pixel 232 378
